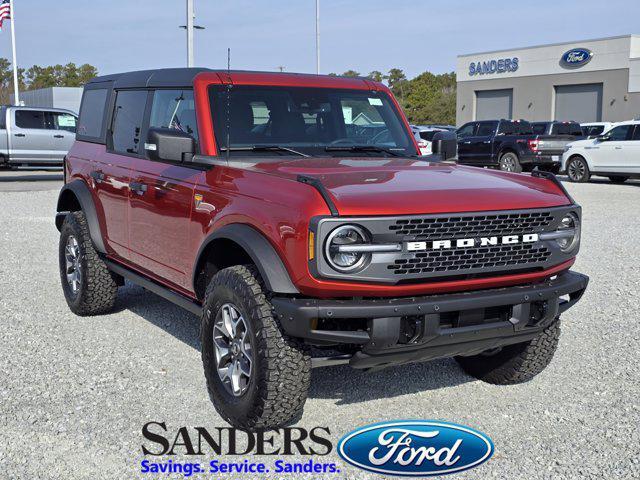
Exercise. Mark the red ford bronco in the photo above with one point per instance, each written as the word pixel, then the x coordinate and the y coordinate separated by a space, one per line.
pixel 292 213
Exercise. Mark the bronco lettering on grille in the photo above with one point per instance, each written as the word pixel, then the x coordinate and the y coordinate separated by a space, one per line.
pixel 471 242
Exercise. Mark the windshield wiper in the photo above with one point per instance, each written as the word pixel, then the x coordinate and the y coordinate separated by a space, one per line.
pixel 364 148
pixel 264 148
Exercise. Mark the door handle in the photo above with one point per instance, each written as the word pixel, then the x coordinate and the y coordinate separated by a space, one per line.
pixel 467 142
pixel 618 148
pixel 19 134
pixel 58 136
pixel 487 141
pixel 97 176
pixel 138 187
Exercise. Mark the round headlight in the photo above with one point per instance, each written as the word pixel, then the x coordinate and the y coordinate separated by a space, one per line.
pixel 338 252
pixel 570 225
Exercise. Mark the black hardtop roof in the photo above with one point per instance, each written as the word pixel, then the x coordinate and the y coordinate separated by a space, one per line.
pixel 175 77
pixel 164 77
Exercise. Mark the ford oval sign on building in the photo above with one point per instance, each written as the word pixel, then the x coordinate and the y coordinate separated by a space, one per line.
pixel 576 57
pixel 415 448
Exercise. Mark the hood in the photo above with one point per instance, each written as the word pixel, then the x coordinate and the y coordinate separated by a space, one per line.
pixel 385 186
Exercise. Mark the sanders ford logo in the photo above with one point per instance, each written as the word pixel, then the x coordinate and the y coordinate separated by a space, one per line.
pixel 576 57
pixel 415 448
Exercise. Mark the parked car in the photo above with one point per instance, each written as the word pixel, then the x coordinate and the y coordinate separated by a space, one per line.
pixel 450 128
pixel 555 127
pixel 284 229
pixel 614 154
pixel 509 145
pixel 31 136
pixel 424 136
pixel 593 129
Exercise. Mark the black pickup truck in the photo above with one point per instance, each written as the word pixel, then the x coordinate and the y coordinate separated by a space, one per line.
pixel 510 145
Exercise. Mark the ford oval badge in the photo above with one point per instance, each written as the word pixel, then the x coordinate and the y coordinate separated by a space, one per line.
pixel 576 57
pixel 415 448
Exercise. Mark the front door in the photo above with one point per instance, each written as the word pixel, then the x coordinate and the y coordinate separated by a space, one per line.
pixel 610 155
pixel 33 140
pixel 162 197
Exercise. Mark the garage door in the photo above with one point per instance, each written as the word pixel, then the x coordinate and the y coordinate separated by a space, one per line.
pixel 494 104
pixel 582 103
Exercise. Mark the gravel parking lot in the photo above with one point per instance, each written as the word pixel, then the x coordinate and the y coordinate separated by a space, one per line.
pixel 75 392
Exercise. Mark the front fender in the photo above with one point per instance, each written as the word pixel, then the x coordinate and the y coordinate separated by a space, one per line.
pixel 262 253
pixel 78 190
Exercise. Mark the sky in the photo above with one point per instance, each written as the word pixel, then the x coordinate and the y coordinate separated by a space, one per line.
pixel 362 35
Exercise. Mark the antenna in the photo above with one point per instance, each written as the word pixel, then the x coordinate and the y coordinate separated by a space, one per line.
pixel 228 101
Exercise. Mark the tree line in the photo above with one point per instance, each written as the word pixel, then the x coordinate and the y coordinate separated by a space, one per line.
pixel 35 77
pixel 427 98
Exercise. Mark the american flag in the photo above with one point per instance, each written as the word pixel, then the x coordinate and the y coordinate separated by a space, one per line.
pixel 5 11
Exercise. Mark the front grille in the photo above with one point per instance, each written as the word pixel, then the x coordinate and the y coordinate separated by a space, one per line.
pixel 437 228
pixel 465 259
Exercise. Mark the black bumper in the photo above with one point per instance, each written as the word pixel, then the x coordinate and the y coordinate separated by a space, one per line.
pixel 400 330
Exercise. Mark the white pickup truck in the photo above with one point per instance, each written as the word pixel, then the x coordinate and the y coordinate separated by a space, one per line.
pixel 35 136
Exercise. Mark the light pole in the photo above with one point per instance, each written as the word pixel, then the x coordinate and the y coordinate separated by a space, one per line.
pixel 318 37
pixel 189 27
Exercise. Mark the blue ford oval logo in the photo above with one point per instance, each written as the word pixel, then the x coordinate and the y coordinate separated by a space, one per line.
pixel 576 57
pixel 415 448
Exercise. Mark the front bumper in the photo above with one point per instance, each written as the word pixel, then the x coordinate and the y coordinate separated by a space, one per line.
pixel 401 330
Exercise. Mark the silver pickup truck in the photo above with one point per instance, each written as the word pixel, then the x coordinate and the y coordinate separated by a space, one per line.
pixel 35 136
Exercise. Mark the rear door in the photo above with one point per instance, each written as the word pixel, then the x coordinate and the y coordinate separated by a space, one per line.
pixel 482 142
pixel 163 196
pixel 112 168
pixel 465 133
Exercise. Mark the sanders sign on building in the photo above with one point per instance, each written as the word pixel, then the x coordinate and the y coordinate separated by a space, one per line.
pixel 584 81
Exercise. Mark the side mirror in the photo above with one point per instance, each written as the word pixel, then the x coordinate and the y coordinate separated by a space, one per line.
pixel 603 138
pixel 169 145
pixel 445 144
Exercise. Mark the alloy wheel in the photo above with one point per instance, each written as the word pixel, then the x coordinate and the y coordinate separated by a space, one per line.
pixel 576 170
pixel 234 357
pixel 73 264
pixel 508 164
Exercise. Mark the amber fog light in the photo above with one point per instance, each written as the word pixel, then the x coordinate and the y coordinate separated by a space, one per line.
pixel 346 248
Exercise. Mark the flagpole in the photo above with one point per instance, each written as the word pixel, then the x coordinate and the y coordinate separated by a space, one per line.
pixel 16 93
pixel 318 37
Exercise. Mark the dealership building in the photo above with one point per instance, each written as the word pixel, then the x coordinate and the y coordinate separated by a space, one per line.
pixel 586 81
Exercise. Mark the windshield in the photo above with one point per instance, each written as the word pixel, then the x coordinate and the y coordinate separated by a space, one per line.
pixel 310 121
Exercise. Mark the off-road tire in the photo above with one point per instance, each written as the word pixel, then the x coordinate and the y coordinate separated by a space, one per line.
pixel 515 363
pixel 509 162
pixel 618 178
pixel 98 288
pixel 281 367
pixel 577 170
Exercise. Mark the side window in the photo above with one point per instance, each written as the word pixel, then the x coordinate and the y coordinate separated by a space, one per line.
pixel 486 129
pixel 539 128
pixel 127 120
pixel 94 104
pixel 174 109
pixel 467 130
pixel 64 121
pixel 636 132
pixel 507 128
pixel 619 133
pixel 3 118
pixel 30 119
